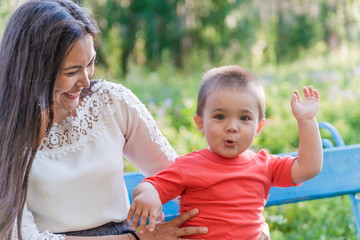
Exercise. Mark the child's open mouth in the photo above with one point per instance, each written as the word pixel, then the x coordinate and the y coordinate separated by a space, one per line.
pixel 230 142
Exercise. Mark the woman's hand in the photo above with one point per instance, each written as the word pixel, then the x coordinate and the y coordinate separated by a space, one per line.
pixel 171 231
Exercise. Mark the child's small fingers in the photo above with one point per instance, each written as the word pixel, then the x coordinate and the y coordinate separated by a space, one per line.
pixel 141 227
pixel 152 221
pixel 135 221
pixel 161 218
pixel 297 94
pixel 311 91
pixel 306 92
pixel 134 224
pixel 130 213
pixel 143 221
pixel 293 98
pixel 316 94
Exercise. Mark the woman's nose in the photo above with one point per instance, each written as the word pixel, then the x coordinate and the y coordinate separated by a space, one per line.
pixel 85 79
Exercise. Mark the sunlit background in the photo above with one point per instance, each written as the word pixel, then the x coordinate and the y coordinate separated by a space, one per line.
pixel 160 49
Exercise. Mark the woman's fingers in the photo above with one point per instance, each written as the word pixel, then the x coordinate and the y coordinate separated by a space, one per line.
pixel 170 230
pixel 186 231
pixel 184 217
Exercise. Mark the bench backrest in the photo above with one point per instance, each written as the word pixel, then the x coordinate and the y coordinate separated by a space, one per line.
pixel 340 175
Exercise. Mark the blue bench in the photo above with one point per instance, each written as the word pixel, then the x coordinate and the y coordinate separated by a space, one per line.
pixel 339 176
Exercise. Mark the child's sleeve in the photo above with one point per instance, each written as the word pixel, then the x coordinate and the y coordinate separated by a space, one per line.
pixel 280 170
pixel 168 183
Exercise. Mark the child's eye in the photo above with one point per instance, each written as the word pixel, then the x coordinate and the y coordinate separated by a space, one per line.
pixel 220 117
pixel 244 118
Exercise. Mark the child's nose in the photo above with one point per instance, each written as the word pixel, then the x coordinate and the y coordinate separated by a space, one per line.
pixel 232 127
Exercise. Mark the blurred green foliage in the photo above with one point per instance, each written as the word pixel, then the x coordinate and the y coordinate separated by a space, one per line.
pixel 160 49
pixel 251 33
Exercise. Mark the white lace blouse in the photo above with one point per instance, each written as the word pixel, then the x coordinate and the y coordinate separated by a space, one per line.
pixel 76 181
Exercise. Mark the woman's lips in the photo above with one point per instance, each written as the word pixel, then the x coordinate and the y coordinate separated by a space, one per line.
pixel 72 95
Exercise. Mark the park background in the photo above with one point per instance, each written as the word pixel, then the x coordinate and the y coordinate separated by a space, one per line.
pixel 160 49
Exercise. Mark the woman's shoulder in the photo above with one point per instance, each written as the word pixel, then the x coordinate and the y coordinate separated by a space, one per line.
pixel 111 92
pixel 101 86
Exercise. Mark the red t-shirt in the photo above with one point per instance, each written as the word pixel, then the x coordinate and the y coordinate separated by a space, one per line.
pixel 230 193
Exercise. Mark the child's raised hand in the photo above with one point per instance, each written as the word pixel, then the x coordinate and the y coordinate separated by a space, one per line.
pixel 142 208
pixel 307 108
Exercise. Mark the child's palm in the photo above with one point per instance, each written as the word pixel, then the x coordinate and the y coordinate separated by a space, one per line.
pixel 307 108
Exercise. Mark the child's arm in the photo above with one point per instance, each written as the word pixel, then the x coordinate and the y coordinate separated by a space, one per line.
pixel 310 156
pixel 146 204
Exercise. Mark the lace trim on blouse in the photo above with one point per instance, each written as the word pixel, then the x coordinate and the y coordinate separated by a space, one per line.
pixel 44 236
pixel 91 117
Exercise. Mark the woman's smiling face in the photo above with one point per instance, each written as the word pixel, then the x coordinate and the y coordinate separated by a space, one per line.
pixel 74 75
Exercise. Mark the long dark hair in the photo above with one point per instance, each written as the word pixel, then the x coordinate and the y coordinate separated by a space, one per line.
pixel 34 45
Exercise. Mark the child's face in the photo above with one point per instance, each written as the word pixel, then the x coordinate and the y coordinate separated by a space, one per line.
pixel 230 121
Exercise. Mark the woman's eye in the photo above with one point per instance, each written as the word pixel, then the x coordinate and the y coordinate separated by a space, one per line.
pixel 220 117
pixel 71 74
pixel 91 63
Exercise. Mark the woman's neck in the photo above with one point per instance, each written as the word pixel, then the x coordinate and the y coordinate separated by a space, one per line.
pixel 61 114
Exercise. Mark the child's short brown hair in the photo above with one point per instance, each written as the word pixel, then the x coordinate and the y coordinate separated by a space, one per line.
pixel 234 77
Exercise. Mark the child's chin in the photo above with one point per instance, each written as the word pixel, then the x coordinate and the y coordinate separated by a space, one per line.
pixel 230 155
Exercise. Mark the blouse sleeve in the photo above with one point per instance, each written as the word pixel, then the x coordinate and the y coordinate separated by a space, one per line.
pixel 29 230
pixel 145 147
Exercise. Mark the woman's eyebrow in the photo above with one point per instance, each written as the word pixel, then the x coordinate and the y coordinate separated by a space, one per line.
pixel 71 67
pixel 79 66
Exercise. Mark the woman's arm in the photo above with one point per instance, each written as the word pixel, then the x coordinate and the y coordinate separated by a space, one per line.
pixel 109 237
pixel 145 147
pixel 164 231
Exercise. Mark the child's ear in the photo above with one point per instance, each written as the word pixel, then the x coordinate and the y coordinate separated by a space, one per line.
pixel 260 126
pixel 199 123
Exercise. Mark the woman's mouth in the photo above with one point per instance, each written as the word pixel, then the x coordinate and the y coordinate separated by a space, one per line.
pixel 72 95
